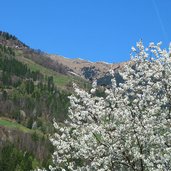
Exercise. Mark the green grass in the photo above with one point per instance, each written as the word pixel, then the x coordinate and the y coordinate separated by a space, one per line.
pixel 14 125
pixel 60 80
pixel 11 124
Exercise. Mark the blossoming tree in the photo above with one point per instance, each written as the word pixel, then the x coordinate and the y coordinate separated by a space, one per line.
pixel 127 130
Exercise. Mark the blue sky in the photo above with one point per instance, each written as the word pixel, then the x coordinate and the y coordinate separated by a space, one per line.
pixel 95 30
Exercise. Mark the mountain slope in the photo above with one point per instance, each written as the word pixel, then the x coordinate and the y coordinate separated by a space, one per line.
pixel 39 61
pixel 79 69
pixel 86 69
pixel 34 89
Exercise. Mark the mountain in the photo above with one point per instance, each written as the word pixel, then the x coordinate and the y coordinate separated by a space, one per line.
pixel 86 69
pixel 32 93
pixel 83 68
pixel 34 90
pixel 76 67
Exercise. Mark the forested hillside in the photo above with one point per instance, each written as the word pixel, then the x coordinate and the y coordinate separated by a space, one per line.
pixel 34 90
pixel 32 93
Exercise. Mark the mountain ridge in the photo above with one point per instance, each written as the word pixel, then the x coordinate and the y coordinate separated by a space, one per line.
pixel 68 66
pixel 34 89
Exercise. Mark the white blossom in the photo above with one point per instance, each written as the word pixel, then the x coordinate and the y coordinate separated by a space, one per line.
pixel 129 129
pixel 133 49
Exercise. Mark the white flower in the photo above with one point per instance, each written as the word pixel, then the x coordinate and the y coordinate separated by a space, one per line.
pixel 93 90
pixel 128 126
pixel 133 49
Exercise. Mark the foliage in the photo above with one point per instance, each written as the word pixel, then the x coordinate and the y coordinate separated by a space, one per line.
pixel 7 36
pixel 13 71
pixel 35 137
pixel 13 125
pixel 13 159
pixel 31 94
pixel 31 91
pixel 129 129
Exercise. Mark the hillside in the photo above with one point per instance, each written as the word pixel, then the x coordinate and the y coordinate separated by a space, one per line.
pixel 31 95
pixel 34 89
pixel 68 70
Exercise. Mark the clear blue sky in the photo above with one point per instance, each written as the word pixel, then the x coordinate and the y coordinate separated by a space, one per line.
pixel 96 30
